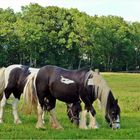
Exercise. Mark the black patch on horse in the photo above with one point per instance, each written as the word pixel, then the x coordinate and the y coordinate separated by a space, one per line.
pixel 16 81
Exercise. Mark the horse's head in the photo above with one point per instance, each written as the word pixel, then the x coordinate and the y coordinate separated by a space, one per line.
pixel 73 112
pixel 113 115
pixel 101 90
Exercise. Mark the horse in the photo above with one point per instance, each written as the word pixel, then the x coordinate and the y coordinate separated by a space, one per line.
pixel 18 79
pixel 72 86
pixel 30 102
pixel 12 80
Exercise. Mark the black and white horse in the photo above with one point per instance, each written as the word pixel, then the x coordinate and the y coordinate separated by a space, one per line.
pixel 18 79
pixel 13 80
pixel 72 86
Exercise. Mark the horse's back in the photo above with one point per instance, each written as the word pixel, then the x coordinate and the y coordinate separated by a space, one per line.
pixel 15 76
pixel 63 84
pixel 55 71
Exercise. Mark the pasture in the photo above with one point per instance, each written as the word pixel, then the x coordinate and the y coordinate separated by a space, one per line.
pixel 125 87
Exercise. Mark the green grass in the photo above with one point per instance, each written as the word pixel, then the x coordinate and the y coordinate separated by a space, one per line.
pixel 125 87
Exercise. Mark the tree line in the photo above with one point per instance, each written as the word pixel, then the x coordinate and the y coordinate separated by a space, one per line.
pixel 38 36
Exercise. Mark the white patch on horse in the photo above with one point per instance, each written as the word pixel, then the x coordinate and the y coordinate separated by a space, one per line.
pixel 83 118
pixel 66 80
pixel 117 122
pixel 93 123
pixel 8 70
pixel 2 104
pixel 90 81
pixel 33 70
pixel 15 109
pixel 39 123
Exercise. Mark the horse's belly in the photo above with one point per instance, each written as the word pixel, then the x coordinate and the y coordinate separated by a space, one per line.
pixel 67 93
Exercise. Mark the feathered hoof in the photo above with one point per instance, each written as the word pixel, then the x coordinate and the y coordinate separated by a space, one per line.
pixel 93 127
pixel 57 126
pixel 83 127
pixel 40 126
pixel 17 121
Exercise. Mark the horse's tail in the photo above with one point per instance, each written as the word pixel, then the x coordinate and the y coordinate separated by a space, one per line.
pixel 30 95
pixel 2 81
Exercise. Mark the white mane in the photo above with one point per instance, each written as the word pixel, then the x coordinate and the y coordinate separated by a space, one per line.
pixel 101 89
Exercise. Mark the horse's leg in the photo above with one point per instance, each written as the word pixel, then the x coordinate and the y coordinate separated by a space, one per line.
pixel 53 120
pixel 6 94
pixel 43 117
pixel 16 99
pixel 2 105
pixel 50 106
pixel 40 114
pixel 92 124
pixel 15 111
pixel 83 120
pixel 88 107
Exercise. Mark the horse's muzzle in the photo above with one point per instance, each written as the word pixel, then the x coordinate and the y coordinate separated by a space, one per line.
pixel 115 125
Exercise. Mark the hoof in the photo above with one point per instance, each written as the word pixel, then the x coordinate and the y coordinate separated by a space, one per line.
pixel 83 127
pixel 17 121
pixel 93 127
pixel 40 126
pixel 56 126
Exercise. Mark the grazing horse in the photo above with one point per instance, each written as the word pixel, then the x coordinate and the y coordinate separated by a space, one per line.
pixel 72 86
pixel 13 80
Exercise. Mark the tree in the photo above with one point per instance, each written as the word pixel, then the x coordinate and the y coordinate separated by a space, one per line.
pixel 135 30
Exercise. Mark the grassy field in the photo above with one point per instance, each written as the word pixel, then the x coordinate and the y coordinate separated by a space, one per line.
pixel 125 87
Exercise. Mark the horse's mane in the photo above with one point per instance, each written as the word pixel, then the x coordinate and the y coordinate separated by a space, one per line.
pixel 88 74
pixel 102 90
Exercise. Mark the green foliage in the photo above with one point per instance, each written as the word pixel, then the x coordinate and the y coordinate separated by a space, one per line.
pixel 38 35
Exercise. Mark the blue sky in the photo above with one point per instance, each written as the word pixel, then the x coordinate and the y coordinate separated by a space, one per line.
pixel 128 9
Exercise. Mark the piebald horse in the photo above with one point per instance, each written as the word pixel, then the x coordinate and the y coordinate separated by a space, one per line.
pixel 13 80
pixel 72 86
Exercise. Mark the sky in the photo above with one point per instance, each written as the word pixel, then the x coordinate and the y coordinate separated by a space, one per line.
pixel 128 9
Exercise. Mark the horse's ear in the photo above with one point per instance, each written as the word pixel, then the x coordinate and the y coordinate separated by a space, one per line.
pixel 115 102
